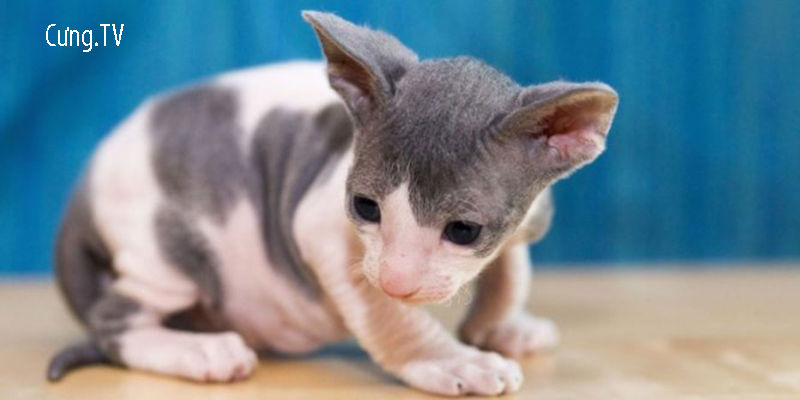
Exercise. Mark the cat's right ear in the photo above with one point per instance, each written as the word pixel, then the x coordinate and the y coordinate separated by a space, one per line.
pixel 363 64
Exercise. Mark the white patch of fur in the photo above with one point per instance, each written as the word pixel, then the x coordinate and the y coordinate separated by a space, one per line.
pixel 260 303
pixel 328 243
pixel 296 85
pixel 405 247
pixel 323 231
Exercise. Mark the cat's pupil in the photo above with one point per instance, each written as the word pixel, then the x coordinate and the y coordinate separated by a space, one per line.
pixel 462 232
pixel 367 209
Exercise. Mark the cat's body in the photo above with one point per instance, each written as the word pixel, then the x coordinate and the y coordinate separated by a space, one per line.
pixel 239 214
pixel 219 208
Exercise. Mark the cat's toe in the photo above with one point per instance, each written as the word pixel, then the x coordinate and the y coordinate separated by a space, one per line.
pixel 218 358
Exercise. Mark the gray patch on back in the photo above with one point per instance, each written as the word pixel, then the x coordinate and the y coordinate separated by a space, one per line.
pixel 290 151
pixel 196 156
pixel 201 171
pixel 186 248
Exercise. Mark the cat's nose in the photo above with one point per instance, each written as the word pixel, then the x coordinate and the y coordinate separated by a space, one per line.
pixel 399 284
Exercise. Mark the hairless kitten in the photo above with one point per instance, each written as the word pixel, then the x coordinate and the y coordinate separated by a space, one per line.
pixel 285 207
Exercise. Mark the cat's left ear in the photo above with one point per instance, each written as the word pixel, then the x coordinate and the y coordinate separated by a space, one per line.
pixel 565 124
pixel 363 64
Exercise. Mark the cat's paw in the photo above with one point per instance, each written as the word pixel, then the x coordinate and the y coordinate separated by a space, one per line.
pixel 519 336
pixel 220 357
pixel 469 371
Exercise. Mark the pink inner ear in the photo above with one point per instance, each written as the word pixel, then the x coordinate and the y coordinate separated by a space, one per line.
pixel 577 130
pixel 582 143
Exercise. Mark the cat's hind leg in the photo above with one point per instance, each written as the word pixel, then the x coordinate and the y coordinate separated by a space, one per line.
pixel 163 266
pixel 126 333
pixel 127 325
pixel 170 268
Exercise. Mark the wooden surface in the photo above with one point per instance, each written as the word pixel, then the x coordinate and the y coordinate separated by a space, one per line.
pixel 670 334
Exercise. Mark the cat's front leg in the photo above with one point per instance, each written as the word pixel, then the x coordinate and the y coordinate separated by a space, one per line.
pixel 497 320
pixel 407 342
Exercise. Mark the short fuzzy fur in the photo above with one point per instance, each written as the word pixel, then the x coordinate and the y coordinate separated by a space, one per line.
pixel 220 219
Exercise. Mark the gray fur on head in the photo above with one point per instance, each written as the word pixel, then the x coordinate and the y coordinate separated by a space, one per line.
pixel 471 143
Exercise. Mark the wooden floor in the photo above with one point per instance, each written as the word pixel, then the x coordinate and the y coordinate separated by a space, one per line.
pixel 715 333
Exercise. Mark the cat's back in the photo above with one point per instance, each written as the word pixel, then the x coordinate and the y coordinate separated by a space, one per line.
pixel 204 147
pixel 243 97
pixel 212 123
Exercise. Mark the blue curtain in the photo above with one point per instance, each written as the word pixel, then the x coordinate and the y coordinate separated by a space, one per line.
pixel 703 160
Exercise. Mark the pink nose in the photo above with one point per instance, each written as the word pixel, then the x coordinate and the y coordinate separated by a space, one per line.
pixel 399 285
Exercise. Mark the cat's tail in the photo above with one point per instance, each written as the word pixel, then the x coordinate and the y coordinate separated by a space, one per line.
pixel 75 356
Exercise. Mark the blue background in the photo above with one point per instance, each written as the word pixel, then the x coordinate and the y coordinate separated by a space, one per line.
pixel 703 161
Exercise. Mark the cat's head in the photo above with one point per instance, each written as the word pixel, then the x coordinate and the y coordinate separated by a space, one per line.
pixel 449 154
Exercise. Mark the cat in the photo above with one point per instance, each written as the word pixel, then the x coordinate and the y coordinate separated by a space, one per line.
pixel 289 206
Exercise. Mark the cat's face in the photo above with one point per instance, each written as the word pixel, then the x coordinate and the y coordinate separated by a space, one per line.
pixel 449 155
pixel 415 262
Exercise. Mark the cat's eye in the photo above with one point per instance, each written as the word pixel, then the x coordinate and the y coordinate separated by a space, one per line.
pixel 367 209
pixel 462 232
